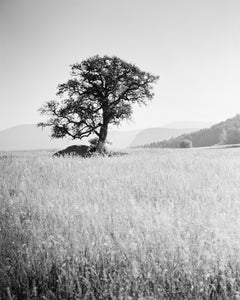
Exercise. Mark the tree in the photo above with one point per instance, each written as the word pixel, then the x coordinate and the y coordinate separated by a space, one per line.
pixel 101 91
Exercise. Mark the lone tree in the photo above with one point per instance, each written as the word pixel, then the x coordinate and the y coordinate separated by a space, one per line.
pixel 101 91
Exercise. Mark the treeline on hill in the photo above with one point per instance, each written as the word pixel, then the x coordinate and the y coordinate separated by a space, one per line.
pixel 227 132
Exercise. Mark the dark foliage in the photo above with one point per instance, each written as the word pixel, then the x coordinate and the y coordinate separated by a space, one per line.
pixel 101 91
pixel 185 144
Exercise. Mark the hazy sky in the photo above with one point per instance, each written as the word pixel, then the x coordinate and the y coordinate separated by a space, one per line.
pixel 193 45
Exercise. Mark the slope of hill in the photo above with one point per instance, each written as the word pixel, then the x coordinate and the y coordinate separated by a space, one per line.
pixel 30 137
pixel 150 135
pixel 227 132
pixel 121 139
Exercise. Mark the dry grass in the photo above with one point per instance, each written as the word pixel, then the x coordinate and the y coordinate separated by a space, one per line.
pixel 161 224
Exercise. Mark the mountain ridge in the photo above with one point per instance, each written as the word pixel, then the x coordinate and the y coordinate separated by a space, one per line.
pixel 31 137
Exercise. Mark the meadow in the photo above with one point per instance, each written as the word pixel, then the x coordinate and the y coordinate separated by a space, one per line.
pixel 154 224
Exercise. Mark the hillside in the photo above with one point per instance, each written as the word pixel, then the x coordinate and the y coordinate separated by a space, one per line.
pixel 150 135
pixel 227 132
pixel 28 137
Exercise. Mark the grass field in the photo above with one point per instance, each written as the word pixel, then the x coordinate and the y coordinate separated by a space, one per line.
pixel 156 224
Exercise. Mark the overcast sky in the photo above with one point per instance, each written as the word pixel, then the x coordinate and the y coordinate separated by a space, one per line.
pixel 193 45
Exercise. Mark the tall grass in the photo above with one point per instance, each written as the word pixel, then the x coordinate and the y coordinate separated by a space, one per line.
pixel 161 224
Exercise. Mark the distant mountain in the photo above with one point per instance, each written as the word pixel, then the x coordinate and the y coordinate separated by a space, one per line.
pixel 150 135
pixel 227 132
pixel 188 124
pixel 121 139
pixel 30 137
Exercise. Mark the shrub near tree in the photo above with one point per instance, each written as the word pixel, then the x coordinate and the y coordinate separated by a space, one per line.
pixel 101 92
pixel 185 144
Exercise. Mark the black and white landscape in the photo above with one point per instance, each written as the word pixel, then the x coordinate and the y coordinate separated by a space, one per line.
pixel 119 149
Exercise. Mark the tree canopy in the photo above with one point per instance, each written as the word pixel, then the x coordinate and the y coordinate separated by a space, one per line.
pixel 101 91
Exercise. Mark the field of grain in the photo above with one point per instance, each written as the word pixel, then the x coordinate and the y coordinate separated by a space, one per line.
pixel 156 224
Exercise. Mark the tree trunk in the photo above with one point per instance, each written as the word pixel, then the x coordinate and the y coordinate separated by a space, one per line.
pixel 102 137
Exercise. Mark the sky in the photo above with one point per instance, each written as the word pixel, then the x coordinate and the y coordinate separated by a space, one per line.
pixel 193 45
